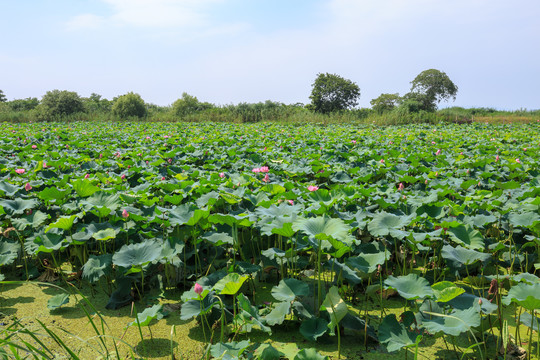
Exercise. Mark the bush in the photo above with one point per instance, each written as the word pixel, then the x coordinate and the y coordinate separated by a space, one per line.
pixel 58 103
pixel 129 105
pixel 188 105
pixel 332 93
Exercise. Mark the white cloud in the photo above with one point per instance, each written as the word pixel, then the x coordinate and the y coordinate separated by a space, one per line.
pixel 85 21
pixel 149 14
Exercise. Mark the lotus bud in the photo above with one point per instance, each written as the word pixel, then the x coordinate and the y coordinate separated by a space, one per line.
pixel 125 214
pixel 27 187
pixel 198 289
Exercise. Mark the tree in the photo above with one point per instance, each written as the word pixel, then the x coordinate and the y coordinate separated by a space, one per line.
pixel 23 104
pixel 188 104
pixel 431 87
pixel 333 93
pixel 60 103
pixel 2 96
pixel 129 105
pixel 385 102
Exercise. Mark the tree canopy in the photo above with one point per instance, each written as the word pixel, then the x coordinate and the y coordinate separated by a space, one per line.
pixel 430 87
pixel 59 103
pixel 332 93
pixel 129 105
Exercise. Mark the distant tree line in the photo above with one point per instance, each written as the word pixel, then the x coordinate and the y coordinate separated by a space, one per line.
pixel 331 95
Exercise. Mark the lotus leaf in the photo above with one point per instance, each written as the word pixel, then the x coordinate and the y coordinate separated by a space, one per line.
pixel 410 286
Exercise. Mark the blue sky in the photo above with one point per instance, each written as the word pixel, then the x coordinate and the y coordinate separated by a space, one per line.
pixel 231 51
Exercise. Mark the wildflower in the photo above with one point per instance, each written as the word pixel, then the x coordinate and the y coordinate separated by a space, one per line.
pixel 27 187
pixel 221 175
pixel 20 171
pixel 34 146
pixel 198 289
pixel 313 188
pixel 125 214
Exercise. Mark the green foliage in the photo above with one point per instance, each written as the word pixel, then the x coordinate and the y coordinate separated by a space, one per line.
pixel 331 93
pixel 188 105
pixel 129 105
pixel 23 104
pixel 385 102
pixel 95 103
pixel 431 87
pixel 3 97
pixel 58 103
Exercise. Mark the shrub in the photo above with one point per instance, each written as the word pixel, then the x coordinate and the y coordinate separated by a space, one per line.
pixel 58 103
pixel 129 105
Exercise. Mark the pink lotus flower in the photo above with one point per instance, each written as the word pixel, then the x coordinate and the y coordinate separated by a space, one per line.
pixel 291 202
pixel 256 170
pixel 382 161
pixel 438 152
pixel 518 161
pixel 139 154
pixel 266 178
pixel 169 161
pixel 44 164
pixel 86 176
pixel 34 146
pixel 198 289
pixel 162 178
pixel 27 187
pixel 354 142
pixel 100 156
pixel 264 169
pixel 221 175
pixel 148 138
pixel 524 149
pixel 67 146
pixel 426 182
pixel 20 171
pixel 123 176
pixel 401 187
pixel 433 143
pixel 313 188
pixel 497 158
pixel 125 214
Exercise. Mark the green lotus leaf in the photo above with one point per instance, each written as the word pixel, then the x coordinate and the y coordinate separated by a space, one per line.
pixel 186 214
pixel 524 219
pixel 9 251
pixel 394 335
pixel 147 315
pixel 229 351
pixel 410 286
pixel 57 301
pixel 466 301
pixel 290 289
pixel 17 206
pixel 103 202
pixel 313 328
pixel 268 352
pixel 445 291
pixel 369 259
pixel 8 189
pixel 465 235
pixel 84 188
pixel 335 306
pixel 323 227
pixel 278 313
pixel 462 256
pixel 383 223
pixel 309 354
pixel 533 322
pixel 52 193
pixel 230 284
pixel 36 219
pixel 137 255
pixel 194 308
pixel 523 294
pixel 51 241
pixel 249 314
pixel 454 324
pixel 64 223
pixel 96 267
pixel 218 239
pixel 104 234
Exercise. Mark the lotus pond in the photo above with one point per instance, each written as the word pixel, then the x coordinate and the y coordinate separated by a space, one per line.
pixel 158 240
